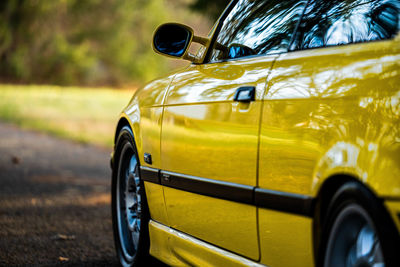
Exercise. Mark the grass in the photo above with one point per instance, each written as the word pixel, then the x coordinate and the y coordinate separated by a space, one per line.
pixel 86 115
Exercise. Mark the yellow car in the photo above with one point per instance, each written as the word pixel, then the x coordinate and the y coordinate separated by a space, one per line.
pixel 279 145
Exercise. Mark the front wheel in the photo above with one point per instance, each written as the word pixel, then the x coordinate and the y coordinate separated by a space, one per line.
pixel 130 213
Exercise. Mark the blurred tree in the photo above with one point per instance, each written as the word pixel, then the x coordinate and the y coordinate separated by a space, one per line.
pixel 91 42
pixel 212 9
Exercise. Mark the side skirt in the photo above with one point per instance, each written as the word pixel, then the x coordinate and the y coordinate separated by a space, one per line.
pixel 178 249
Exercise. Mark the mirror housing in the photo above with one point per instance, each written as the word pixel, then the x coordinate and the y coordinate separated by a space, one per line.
pixel 174 39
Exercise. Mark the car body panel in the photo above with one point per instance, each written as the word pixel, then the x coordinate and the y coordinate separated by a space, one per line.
pixel 333 111
pixel 321 120
pixel 283 234
pixel 227 224
pixel 144 113
pixel 206 134
pixel 155 200
pixel 199 109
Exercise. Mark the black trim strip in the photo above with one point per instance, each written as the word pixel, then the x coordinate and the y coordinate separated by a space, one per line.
pixel 286 202
pixel 390 198
pixel 213 188
pixel 225 13
pixel 263 198
pixel 150 175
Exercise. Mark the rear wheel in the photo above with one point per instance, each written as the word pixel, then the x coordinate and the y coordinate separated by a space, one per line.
pixel 353 240
pixel 358 231
pixel 129 205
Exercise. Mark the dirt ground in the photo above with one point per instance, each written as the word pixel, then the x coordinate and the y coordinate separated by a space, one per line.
pixel 54 201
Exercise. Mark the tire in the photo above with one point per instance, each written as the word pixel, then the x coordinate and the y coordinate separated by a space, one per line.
pixel 130 213
pixel 358 230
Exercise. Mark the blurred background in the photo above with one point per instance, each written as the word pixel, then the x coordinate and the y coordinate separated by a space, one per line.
pixel 54 53
pixel 67 69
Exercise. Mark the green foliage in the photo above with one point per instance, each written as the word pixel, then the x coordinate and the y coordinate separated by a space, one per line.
pixel 90 42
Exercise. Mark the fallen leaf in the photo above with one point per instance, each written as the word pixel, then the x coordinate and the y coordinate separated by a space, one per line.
pixel 15 160
pixel 63 237
pixel 63 259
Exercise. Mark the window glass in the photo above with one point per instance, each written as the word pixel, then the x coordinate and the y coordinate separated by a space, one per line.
pixel 257 27
pixel 327 23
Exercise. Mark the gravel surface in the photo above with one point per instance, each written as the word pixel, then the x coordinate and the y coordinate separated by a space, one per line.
pixel 54 201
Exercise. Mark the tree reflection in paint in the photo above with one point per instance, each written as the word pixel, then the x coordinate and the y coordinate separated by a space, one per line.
pixel 265 27
pixel 327 23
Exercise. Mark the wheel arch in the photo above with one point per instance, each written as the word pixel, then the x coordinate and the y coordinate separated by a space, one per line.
pixel 323 199
pixel 331 191
pixel 123 121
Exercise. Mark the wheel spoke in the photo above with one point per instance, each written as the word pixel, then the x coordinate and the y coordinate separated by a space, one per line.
pixel 132 164
pixel 352 256
pixel 134 223
pixel 376 256
pixel 135 239
pixel 138 224
pixel 365 241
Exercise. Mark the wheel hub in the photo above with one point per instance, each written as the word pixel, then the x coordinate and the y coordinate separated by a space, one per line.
pixel 131 203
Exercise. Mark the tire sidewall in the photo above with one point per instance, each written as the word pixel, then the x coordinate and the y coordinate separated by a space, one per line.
pixel 355 193
pixel 125 138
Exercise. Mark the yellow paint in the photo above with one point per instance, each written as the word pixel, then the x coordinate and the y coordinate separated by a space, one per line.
pixel 221 222
pixel 206 134
pixel 178 249
pixel 222 148
pixel 333 111
pixel 285 239
pixel 144 113
pixel 160 244
pixel 155 200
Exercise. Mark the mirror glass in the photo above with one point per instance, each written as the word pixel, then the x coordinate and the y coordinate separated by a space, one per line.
pixel 172 39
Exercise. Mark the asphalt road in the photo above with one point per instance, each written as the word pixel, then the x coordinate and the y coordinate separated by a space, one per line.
pixel 54 201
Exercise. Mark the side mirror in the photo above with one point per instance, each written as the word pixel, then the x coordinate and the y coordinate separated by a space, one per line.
pixel 173 40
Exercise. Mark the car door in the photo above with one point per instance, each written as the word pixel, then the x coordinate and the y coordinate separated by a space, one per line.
pixel 321 108
pixel 210 128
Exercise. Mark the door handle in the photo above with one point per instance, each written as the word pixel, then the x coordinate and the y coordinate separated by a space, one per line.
pixel 245 94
